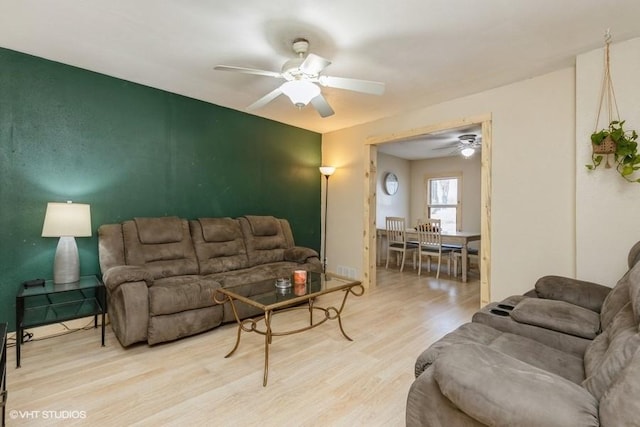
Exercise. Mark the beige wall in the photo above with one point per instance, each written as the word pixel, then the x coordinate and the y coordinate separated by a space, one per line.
pixel 399 203
pixel 533 176
pixel 608 208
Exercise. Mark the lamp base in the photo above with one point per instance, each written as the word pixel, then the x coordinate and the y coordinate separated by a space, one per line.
pixel 66 264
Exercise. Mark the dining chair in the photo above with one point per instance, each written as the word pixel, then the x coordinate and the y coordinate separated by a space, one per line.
pixel 397 240
pixel 456 256
pixel 430 239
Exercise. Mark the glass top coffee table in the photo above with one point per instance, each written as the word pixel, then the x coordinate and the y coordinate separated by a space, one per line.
pixel 275 300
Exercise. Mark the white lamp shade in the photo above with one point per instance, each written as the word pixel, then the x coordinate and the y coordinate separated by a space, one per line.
pixel 67 219
pixel 327 170
pixel 300 92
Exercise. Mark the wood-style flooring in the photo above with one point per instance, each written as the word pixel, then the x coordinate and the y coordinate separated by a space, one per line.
pixel 316 378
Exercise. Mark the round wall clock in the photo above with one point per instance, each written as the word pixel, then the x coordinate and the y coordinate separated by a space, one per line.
pixel 390 183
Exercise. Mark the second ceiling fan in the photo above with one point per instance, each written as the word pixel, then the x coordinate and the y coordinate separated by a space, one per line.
pixel 303 80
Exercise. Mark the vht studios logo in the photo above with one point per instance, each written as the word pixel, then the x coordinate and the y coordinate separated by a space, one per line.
pixel 47 415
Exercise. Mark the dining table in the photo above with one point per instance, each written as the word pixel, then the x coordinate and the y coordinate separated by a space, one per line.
pixel 461 238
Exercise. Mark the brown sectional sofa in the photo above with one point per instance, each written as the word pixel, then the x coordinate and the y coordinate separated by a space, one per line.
pixel 566 354
pixel 161 273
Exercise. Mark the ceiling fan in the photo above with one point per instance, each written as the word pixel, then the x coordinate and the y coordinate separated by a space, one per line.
pixel 466 145
pixel 302 77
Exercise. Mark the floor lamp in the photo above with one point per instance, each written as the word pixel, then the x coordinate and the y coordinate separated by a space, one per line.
pixel 327 171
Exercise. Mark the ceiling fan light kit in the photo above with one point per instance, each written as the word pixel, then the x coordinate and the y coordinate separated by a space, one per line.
pixel 467 152
pixel 301 75
pixel 300 92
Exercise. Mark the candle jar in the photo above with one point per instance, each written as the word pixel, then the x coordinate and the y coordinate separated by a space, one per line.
pixel 299 289
pixel 300 277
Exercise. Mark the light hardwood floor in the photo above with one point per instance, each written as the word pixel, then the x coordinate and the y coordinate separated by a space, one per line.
pixel 316 378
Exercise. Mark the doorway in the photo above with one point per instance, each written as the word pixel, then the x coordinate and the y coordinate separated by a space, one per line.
pixel 370 158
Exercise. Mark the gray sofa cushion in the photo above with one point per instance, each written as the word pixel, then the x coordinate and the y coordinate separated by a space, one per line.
pixel 615 300
pixel 579 292
pixel 525 349
pixel 497 389
pixel 558 316
pixel 620 405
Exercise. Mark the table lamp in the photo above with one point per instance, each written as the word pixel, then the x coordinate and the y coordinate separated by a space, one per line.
pixel 67 221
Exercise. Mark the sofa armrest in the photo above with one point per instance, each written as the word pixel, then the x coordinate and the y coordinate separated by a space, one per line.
pixel 497 389
pixel 558 316
pixel 579 292
pixel 120 274
pixel 299 254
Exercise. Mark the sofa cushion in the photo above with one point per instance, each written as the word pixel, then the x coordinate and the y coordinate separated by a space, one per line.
pixel 161 259
pixel 610 352
pixel 220 229
pixel 159 230
pixel 541 356
pixel 299 254
pixel 176 294
pixel 219 245
pixel 579 292
pixel 558 316
pixel 264 247
pixel 620 406
pixel 615 300
pixel 263 225
pixel 497 389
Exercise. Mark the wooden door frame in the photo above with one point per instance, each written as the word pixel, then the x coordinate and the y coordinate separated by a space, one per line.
pixel 370 174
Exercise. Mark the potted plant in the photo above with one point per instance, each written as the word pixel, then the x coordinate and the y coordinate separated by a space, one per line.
pixel 619 142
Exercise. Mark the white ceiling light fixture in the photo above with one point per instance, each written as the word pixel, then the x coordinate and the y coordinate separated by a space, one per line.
pixel 467 152
pixel 300 92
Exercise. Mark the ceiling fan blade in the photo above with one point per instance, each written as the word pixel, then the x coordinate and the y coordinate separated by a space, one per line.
pixel 322 106
pixel 265 99
pixel 314 64
pixel 364 86
pixel 448 147
pixel 247 71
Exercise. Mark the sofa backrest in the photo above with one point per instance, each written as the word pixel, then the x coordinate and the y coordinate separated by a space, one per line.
pixel 219 244
pixel 162 245
pixel 265 238
pixel 611 351
pixel 619 295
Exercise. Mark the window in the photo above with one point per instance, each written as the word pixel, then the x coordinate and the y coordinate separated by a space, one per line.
pixel 443 201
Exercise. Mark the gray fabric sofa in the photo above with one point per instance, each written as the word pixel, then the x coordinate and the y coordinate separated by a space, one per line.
pixel 480 375
pixel 561 312
pixel 161 273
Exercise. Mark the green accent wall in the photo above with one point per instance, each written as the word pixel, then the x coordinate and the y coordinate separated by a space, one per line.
pixel 129 151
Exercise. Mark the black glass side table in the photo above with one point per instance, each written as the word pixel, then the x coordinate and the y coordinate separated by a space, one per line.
pixel 51 303
pixel 3 368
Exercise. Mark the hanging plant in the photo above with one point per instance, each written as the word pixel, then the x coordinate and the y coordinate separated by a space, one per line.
pixel 614 139
pixel 622 144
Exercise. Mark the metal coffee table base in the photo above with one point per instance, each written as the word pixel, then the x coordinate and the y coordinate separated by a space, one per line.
pixel 253 324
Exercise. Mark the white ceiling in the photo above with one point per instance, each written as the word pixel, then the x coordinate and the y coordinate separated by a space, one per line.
pixel 426 51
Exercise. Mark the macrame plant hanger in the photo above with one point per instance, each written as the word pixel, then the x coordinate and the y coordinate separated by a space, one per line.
pixel 607 101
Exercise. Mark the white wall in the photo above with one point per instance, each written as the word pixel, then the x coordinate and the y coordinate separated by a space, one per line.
pixel 533 174
pixel 607 207
pixel 399 203
pixel 470 191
